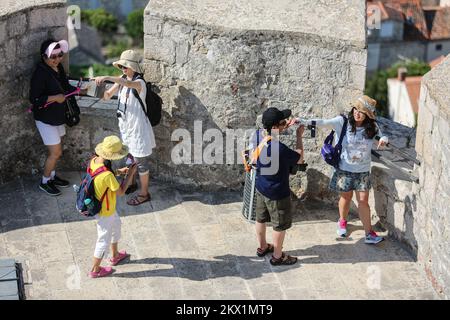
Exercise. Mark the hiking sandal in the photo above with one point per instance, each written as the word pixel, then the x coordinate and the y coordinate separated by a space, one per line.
pixel 262 253
pixel 285 259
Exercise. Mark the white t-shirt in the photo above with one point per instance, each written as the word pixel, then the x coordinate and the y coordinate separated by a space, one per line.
pixel 135 128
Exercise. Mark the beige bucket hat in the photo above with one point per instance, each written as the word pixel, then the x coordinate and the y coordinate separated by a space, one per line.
pixel 366 105
pixel 130 59
pixel 111 148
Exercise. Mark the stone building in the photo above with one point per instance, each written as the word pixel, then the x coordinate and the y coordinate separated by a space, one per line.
pixel 409 29
pixel 24 25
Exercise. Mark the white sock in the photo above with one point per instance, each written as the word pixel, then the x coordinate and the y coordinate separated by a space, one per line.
pixel 45 180
pixel 52 175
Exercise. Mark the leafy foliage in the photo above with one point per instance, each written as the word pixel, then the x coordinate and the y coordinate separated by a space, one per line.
pixel 376 85
pixel 100 19
pixel 98 69
pixel 135 26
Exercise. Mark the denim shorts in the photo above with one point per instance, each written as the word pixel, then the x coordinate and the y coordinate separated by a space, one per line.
pixel 344 181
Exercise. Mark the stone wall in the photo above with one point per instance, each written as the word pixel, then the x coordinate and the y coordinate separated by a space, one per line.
pixel 224 63
pixel 432 223
pixel 24 25
pixel 417 213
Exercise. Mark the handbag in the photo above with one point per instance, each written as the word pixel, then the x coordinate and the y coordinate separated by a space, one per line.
pixel 332 154
pixel 72 110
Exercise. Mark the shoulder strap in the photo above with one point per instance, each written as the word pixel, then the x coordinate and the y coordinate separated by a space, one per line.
pixel 257 152
pixel 343 131
pixel 136 94
pixel 96 173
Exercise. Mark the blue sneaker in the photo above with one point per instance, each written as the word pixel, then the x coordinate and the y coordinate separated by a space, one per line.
pixel 373 238
pixel 342 228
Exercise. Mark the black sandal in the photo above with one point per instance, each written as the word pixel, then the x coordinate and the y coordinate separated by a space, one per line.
pixel 285 259
pixel 262 253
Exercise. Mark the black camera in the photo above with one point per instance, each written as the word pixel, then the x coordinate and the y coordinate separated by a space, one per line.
pixel 297 167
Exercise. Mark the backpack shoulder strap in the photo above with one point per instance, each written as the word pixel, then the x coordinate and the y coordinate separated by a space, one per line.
pixel 257 152
pixel 136 94
pixel 344 130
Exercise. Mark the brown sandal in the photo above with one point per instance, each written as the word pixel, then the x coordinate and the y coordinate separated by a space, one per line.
pixel 285 259
pixel 262 253
pixel 135 200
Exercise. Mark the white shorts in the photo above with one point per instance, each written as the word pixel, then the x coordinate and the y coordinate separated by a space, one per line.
pixel 51 135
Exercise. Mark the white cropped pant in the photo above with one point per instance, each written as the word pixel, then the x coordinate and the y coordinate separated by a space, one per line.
pixel 108 231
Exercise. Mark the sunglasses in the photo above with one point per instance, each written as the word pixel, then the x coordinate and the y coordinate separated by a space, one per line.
pixel 121 67
pixel 54 56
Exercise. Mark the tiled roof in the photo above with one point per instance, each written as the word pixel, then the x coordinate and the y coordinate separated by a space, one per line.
pixel 421 22
pixel 441 24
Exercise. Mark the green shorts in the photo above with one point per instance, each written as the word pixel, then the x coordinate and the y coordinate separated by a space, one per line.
pixel 278 212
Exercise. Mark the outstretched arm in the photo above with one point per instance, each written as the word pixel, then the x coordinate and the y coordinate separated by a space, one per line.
pixel 136 84
pixel 299 143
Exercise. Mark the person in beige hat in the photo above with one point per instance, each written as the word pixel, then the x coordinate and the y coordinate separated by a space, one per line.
pixel 135 128
pixel 353 172
pixel 107 188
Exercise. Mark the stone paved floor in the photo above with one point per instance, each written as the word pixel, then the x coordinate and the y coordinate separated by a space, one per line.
pixel 195 246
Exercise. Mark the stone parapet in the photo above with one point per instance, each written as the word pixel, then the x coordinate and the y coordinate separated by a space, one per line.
pixel 24 25
pixel 223 63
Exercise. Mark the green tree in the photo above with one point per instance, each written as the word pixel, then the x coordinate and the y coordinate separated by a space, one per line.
pixel 100 19
pixel 376 85
pixel 135 26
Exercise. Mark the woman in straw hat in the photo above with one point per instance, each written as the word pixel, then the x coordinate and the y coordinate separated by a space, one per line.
pixel 353 173
pixel 108 188
pixel 135 127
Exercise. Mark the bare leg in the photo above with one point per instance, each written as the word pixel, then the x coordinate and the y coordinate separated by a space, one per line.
pixel 96 266
pixel 144 180
pixel 55 152
pixel 344 204
pixel 278 239
pixel 261 234
pixel 114 249
pixel 364 209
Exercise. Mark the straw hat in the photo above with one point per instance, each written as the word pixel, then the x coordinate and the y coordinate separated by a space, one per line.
pixel 366 105
pixel 130 59
pixel 111 148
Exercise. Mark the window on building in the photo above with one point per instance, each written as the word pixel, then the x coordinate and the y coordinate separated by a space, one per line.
pixel 438 47
pixel 387 30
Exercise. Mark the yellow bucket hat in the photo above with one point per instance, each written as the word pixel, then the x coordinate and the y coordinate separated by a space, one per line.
pixel 111 148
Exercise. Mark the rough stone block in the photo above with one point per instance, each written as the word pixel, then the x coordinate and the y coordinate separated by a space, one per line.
pixel 152 71
pixel 357 77
pixel 334 72
pixel 3 31
pixel 159 49
pixel 45 18
pixel 17 25
pixel 30 43
pixel 153 25
pixel 298 66
pixel 182 52
pixel 356 57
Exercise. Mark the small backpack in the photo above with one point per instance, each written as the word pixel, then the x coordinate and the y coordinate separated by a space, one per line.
pixel 153 102
pixel 87 204
pixel 332 154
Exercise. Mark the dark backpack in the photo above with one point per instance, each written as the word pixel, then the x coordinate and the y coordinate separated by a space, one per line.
pixel 332 154
pixel 87 204
pixel 152 100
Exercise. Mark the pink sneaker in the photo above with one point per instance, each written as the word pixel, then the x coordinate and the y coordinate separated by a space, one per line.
pixel 122 255
pixel 104 271
pixel 342 228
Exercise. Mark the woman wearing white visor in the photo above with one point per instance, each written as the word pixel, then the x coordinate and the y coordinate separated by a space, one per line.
pixel 46 83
